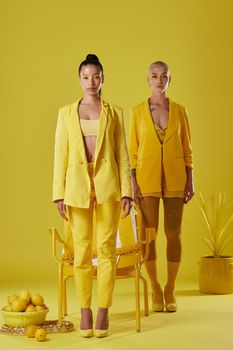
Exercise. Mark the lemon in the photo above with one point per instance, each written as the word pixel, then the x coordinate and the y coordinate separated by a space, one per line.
pixel 30 331
pixel 39 308
pixel 24 294
pixel 37 299
pixel 30 308
pixel 40 334
pixel 19 305
pixel 11 298
pixel 7 308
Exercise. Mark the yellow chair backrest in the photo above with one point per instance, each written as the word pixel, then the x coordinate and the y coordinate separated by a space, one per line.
pixel 128 242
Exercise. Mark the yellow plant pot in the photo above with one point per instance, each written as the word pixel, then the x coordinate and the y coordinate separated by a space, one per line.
pixel 216 275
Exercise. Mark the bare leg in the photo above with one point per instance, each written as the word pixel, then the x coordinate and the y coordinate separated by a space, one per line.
pixel 86 321
pixel 172 270
pixel 150 212
pixel 102 323
pixel 157 293
pixel 102 318
pixel 173 212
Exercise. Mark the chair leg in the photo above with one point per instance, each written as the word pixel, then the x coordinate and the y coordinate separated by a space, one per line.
pixel 60 294
pixel 146 307
pixel 65 297
pixel 137 298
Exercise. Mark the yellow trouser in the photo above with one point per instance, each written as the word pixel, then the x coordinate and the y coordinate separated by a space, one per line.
pixel 81 221
pixel 173 213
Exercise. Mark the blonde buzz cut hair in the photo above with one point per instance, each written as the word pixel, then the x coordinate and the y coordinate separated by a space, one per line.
pixel 160 63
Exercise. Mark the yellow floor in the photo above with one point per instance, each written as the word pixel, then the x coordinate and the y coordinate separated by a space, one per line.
pixel 202 322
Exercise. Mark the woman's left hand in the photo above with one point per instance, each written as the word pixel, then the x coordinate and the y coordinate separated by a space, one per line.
pixel 189 187
pixel 126 204
pixel 189 191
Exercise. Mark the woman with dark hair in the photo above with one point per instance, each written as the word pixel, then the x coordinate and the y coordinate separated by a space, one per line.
pixel 92 177
pixel 161 167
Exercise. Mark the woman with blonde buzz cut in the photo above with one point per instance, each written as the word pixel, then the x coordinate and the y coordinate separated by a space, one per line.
pixel 161 166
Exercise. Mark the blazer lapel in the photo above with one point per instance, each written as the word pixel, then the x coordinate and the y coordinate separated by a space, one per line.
pixel 172 121
pixel 77 130
pixel 148 119
pixel 102 127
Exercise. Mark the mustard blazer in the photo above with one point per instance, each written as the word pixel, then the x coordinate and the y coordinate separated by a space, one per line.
pixel 111 167
pixel 148 156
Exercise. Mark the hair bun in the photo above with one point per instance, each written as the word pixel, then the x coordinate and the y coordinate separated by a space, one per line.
pixel 92 58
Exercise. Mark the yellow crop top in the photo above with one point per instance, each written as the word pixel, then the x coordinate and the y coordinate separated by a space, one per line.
pixel 161 133
pixel 89 127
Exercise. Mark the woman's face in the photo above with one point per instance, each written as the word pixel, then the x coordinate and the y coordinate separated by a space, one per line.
pixel 159 78
pixel 91 79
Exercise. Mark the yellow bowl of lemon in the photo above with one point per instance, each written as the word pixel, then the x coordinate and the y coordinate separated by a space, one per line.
pixel 24 309
pixel 24 319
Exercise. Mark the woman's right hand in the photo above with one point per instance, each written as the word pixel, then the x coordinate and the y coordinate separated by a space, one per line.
pixel 136 191
pixel 61 208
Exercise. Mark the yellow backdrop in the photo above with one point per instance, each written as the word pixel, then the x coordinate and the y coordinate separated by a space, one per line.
pixel 42 44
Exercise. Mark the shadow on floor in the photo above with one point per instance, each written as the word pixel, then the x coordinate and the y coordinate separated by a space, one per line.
pixel 188 293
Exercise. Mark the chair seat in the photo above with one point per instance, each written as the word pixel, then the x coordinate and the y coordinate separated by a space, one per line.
pixel 125 272
pixel 127 250
pixel 123 251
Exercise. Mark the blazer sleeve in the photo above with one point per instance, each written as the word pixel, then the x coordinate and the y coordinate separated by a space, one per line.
pixel 60 158
pixel 133 141
pixel 122 157
pixel 186 141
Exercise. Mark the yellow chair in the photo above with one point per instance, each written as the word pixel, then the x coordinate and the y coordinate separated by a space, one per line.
pixel 131 253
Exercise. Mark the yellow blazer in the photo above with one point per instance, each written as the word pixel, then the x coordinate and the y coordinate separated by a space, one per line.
pixel 148 156
pixel 111 167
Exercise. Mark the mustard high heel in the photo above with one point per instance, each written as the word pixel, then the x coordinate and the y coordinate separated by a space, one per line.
pixel 101 333
pixel 157 307
pixel 86 333
pixel 170 306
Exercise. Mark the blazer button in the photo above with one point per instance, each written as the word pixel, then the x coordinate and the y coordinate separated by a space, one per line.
pixel 80 162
